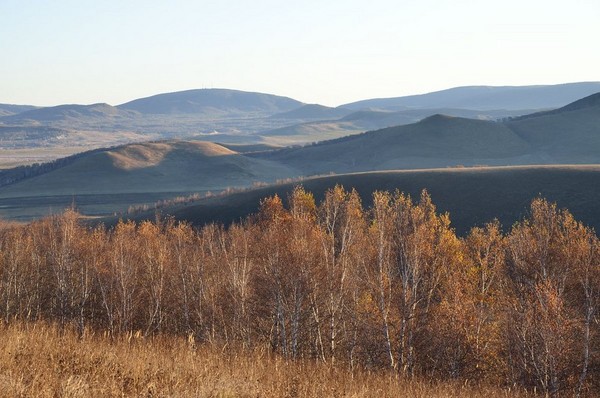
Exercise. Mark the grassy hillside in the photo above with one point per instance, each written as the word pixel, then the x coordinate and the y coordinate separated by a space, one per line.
pixel 170 166
pixel 487 97
pixel 217 102
pixel 472 196
pixel 567 135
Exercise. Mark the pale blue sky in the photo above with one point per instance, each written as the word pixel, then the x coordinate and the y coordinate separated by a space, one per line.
pixel 329 52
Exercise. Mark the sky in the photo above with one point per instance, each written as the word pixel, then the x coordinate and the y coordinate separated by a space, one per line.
pixel 329 52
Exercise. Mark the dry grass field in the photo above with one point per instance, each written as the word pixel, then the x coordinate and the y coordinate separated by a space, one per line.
pixel 40 360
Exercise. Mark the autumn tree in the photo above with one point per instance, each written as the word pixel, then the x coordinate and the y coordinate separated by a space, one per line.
pixel 548 257
pixel 341 225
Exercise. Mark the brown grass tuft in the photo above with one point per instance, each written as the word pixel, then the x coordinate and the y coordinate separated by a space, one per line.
pixel 41 360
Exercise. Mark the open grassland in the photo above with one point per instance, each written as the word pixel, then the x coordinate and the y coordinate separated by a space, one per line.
pixel 39 360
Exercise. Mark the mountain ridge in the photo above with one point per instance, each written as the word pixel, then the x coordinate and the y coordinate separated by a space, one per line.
pixel 486 97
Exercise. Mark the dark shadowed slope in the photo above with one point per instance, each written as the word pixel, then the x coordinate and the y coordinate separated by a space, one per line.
pixel 591 101
pixel 437 141
pixel 215 102
pixel 487 97
pixel 569 134
pixel 472 196
pixel 170 166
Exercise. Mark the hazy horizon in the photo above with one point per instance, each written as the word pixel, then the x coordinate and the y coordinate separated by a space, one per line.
pixel 333 53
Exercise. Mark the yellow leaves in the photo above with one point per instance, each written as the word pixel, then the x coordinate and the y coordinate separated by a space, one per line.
pixel 302 204
pixel 271 208
pixel 366 303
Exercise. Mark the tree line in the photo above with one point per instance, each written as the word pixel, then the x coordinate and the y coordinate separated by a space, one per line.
pixel 391 286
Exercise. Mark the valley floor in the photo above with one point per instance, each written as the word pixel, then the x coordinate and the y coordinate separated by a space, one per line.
pixel 41 360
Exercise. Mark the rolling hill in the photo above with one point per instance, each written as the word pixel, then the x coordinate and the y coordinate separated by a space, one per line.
pixel 248 117
pixel 486 97
pixel 166 166
pixel 472 196
pixel 437 141
pixel 568 135
pixel 364 120
pixel 212 102
pixel 162 169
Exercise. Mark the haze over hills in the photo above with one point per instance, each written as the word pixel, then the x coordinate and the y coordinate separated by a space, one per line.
pixel 233 116
pixel 486 97
pixel 215 115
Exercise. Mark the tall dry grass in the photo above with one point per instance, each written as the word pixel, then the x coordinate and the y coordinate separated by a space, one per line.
pixel 40 360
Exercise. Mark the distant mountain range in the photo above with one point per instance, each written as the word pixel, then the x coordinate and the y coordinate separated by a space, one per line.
pixel 234 116
pixel 486 98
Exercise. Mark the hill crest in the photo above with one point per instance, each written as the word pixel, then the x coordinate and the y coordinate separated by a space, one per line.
pixel 211 101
